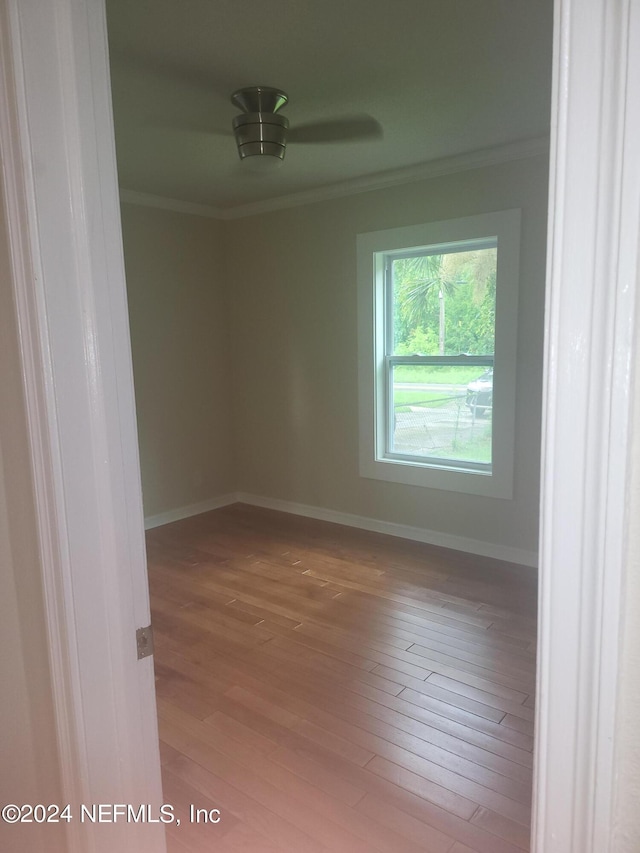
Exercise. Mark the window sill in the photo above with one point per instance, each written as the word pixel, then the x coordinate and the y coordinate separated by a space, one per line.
pixel 495 484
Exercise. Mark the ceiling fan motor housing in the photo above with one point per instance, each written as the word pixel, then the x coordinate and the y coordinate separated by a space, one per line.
pixel 259 130
pixel 260 133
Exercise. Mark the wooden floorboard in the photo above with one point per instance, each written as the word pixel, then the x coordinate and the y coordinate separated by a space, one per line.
pixel 330 689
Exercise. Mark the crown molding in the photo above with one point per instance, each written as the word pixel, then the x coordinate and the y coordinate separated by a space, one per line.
pixel 410 174
pixel 174 204
pixel 484 157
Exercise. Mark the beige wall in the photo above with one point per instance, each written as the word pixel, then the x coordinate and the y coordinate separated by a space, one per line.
pixel 28 754
pixel 295 352
pixel 181 365
pixel 245 353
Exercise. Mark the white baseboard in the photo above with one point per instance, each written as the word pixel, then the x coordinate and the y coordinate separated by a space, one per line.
pixel 187 511
pixel 404 531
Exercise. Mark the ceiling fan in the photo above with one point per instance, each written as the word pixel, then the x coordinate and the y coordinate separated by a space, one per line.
pixel 262 132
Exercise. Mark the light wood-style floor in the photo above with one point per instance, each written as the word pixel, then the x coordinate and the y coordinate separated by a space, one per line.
pixel 329 689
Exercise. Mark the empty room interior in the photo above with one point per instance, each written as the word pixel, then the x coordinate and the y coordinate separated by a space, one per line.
pixel 337 345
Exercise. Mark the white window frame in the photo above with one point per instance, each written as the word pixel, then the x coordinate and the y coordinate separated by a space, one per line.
pixel 446 236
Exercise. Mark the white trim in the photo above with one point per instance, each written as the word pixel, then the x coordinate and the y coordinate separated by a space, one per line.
pixel 403 531
pixel 47 476
pixel 189 510
pixel 174 204
pixel 372 374
pixel 56 136
pixel 520 150
pixel 592 276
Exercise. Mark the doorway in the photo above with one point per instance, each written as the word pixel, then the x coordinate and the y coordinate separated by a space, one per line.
pixel 556 686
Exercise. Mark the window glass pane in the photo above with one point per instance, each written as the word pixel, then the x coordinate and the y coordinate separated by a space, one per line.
pixel 444 304
pixel 442 412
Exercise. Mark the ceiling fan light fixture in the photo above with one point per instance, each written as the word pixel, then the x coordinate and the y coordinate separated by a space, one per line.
pixel 262 164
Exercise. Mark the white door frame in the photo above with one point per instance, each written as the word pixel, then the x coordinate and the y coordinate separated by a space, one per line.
pixel 63 221
pixel 592 278
pixel 62 207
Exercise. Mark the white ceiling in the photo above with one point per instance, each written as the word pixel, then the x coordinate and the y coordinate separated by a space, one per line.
pixel 442 77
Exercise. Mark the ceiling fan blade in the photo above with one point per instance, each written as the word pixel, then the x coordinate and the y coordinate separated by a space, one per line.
pixel 201 127
pixel 210 82
pixel 349 128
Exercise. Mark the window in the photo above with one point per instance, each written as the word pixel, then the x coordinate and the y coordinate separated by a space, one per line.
pixel 437 341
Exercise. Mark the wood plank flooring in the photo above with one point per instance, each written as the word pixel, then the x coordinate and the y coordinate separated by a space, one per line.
pixel 329 689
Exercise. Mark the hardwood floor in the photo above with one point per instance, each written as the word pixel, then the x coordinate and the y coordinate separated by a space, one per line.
pixel 329 689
